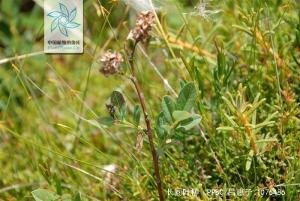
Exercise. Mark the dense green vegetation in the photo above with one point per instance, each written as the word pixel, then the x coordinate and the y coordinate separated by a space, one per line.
pixel 221 85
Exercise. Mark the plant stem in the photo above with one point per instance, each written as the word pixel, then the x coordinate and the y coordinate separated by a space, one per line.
pixel 141 97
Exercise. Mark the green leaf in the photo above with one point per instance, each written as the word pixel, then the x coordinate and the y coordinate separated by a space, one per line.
pixel 117 99
pixel 221 63
pixel 181 115
pixel 186 120
pixel 225 128
pixel 108 121
pixel 44 195
pixel 137 115
pixel 168 106
pixel 261 163
pixel 190 123
pixel 122 113
pixel 230 119
pixel 160 121
pixel 160 151
pixel 186 98
pixel 249 160
pixel 167 128
pixel 182 84
pixel 58 184
pixel 77 197
pixel 229 104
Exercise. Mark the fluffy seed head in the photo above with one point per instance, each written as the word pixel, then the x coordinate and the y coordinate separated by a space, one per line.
pixel 109 174
pixel 111 62
pixel 143 26
pixel 203 11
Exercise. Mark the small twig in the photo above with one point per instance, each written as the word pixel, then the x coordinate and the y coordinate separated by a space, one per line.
pixel 24 56
pixel 18 186
pixel 188 46
pixel 212 151
pixel 275 59
pixel 165 81
pixel 141 97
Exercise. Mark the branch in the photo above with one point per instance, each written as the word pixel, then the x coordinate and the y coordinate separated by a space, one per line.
pixel 141 97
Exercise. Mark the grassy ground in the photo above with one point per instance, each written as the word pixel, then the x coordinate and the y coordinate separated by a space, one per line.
pixel 237 62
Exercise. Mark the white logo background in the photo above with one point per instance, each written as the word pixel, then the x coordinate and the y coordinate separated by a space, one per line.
pixel 63 26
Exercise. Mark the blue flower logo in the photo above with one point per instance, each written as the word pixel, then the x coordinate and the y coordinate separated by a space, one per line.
pixel 63 19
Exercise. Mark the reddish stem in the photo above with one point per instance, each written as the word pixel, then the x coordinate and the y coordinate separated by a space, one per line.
pixel 148 125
